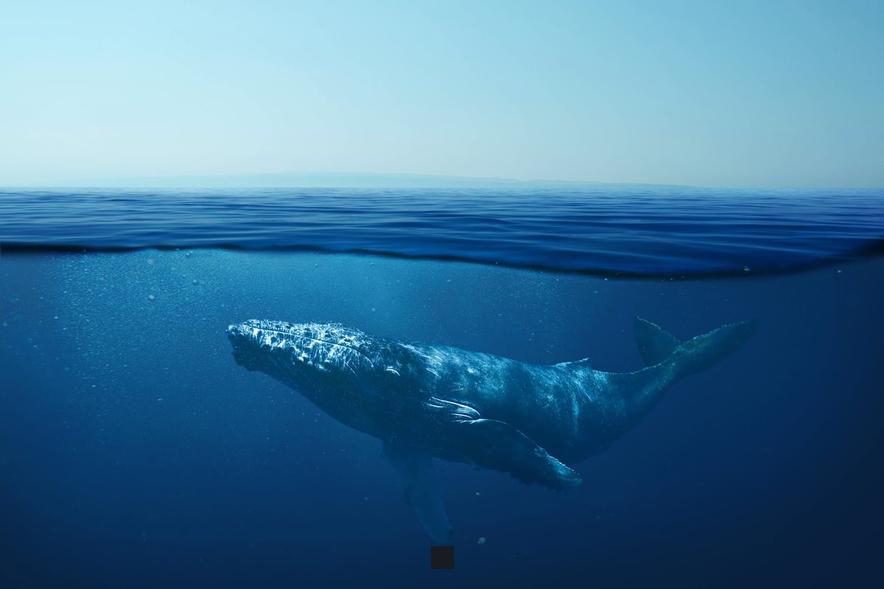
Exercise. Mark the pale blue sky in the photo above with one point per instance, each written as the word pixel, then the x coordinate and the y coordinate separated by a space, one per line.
pixel 734 93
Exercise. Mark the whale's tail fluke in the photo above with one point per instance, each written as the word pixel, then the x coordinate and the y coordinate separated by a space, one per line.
pixel 658 346
pixel 655 344
pixel 669 359
pixel 701 352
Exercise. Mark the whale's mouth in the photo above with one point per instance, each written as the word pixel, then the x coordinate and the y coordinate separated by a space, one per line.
pixel 246 352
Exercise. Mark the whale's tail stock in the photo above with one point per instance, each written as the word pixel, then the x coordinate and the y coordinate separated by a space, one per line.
pixel 669 359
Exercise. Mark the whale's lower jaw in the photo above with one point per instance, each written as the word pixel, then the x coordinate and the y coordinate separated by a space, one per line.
pixel 246 360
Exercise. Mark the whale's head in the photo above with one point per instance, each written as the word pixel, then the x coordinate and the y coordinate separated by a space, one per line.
pixel 315 355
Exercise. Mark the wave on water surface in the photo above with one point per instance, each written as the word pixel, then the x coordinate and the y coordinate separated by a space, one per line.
pixel 616 231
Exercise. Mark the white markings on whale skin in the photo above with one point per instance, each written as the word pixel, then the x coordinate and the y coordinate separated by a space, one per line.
pixel 433 358
pixel 456 411
pixel 321 345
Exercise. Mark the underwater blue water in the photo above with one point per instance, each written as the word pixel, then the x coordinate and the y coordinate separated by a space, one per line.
pixel 135 452
pixel 617 230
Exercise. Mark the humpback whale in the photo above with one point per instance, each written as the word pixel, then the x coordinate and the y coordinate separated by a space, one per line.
pixel 432 401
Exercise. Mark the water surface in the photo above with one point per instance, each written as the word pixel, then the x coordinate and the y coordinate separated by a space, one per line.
pixel 612 230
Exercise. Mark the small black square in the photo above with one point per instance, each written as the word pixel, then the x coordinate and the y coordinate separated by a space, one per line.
pixel 442 557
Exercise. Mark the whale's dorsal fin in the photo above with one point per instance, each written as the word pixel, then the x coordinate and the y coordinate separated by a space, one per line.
pixel 421 491
pixel 655 344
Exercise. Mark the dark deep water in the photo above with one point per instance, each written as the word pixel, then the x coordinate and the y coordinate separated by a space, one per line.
pixel 135 452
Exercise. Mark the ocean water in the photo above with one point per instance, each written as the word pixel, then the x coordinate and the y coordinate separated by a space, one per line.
pixel 609 230
pixel 135 452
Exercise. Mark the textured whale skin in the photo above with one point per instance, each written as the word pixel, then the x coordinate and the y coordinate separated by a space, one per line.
pixel 424 400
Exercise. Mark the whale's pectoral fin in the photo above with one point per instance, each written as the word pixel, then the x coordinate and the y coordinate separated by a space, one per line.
pixel 498 445
pixel 421 490
pixel 655 344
